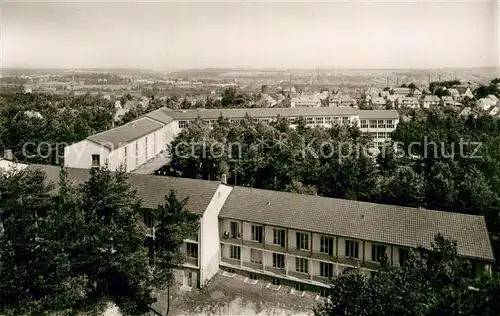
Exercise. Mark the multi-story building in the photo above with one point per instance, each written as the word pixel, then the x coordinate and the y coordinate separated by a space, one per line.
pixel 401 91
pixel 135 143
pixel 408 102
pixel 430 101
pixel 293 239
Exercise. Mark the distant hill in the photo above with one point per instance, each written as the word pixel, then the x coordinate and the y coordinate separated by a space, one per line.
pixel 7 72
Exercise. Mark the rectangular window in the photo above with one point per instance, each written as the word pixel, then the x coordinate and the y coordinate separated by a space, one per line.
pixel 319 120
pixel 276 281
pixel 328 120
pixel 182 124
pixel 302 241
pixel 279 237
pixel 292 120
pixel 252 276
pixel 154 143
pixel 381 135
pixel 403 257
pixel 345 120
pixel 235 230
pixel 373 123
pixel 335 120
pixel 302 265
pixel 125 157
pixel 378 253
pixel 146 149
pixel 257 233
pixel 278 260
pixel 235 252
pixel 390 123
pixel 96 160
pixel 364 124
pixel 255 256
pixel 192 250
pixel 136 154
pixel 323 293
pixel 326 245
pixel 351 249
pixel 381 124
pixel 326 269
pixel 309 120
pixel 373 135
pixel 148 219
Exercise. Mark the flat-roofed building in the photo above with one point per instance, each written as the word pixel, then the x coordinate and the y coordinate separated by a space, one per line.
pixel 133 144
pixel 294 239
pixel 287 238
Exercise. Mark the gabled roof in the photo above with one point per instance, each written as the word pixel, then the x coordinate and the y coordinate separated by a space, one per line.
pixel 492 97
pixel 389 224
pixel 431 98
pixel 150 188
pixel 117 137
pixel 159 115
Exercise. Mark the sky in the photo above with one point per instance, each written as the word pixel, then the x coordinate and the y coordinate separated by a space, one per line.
pixel 169 36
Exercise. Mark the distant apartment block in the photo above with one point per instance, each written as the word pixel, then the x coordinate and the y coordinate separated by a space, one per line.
pixel 298 240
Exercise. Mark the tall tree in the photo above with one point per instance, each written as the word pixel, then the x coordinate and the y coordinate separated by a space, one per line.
pixel 174 224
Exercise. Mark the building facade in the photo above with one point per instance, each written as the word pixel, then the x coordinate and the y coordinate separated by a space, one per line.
pixel 298 240
pixel 133 144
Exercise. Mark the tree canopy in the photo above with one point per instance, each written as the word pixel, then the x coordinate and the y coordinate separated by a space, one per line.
pixel 431 282
pixel 77 248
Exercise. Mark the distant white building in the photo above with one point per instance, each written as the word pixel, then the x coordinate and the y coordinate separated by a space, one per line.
pixel 133 144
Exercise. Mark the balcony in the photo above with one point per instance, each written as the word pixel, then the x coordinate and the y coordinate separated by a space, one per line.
pixel 371 265
pixel 274 248
pixel 321 279
pixel 297 252
pixel 349 261
pixel 275 270
pixel 324 257
pixel 253 265
pixel 299 275
pixel 227 237
pixel 235 262
pixel 253 243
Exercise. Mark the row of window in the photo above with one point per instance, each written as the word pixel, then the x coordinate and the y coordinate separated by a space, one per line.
pixel 302 242
pixel 382 135
pixel 313 120
pixel 301 264
pixel 377 123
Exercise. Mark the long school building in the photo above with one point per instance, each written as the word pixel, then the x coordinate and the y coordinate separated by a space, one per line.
pixel 133 144
pixel 293 239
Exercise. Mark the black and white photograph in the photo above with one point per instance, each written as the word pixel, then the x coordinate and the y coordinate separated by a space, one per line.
pixel 226 158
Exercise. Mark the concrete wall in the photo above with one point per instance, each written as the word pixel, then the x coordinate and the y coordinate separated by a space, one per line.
pixel 79 155
pixel 209 234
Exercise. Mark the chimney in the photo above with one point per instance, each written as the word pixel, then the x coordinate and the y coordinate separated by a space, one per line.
pixel 224 179
pixel 7 154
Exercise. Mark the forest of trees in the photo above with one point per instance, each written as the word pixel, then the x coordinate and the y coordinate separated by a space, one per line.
pixel 79 247
pixel 432 282
pixel 64 120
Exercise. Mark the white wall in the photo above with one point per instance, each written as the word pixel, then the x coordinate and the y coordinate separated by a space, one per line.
pixel 79 155
pixel 209 234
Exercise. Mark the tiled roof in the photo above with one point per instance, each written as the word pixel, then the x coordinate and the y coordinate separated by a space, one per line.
pixel 121 135
pixel 150 188
pixel 396 225
pixel 159 115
